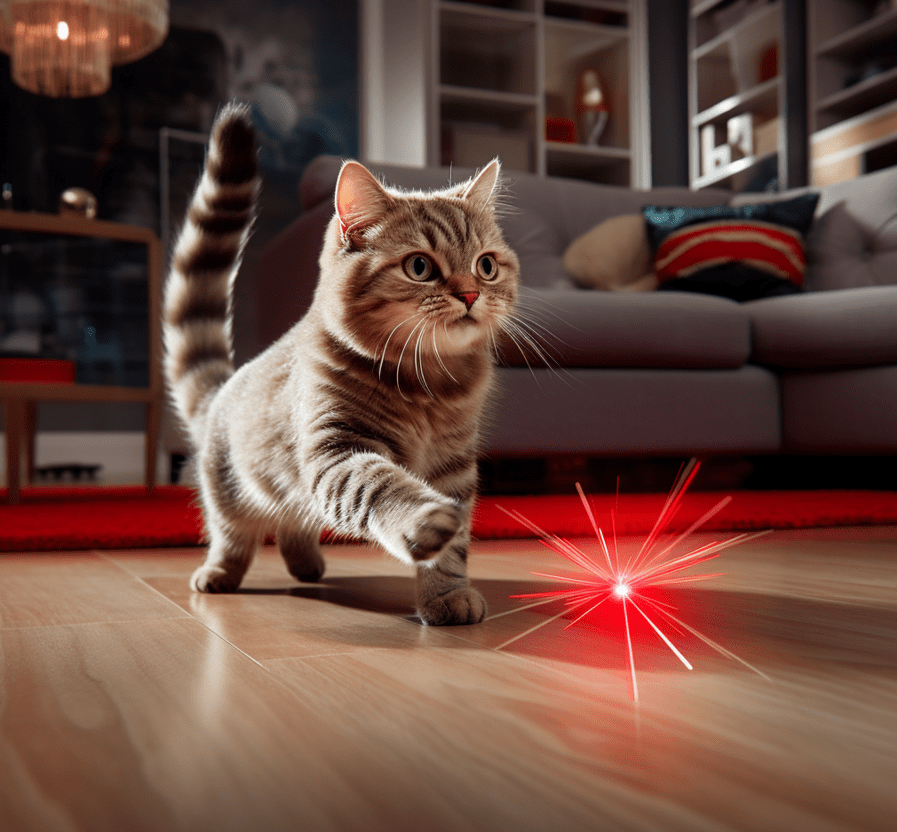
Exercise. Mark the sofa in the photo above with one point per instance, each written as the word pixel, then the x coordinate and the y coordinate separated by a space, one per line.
pixel 665 373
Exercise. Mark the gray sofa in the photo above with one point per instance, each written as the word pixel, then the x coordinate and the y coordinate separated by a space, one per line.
pixel 667 373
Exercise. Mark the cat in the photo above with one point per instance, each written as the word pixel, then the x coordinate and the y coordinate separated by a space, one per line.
pixel 366 417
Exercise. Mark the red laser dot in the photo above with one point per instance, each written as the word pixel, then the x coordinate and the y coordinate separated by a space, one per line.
pixel 621 590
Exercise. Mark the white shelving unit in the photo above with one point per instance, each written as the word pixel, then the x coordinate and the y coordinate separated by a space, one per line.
pixel 853 84
pixel 735 69
pixel 496 69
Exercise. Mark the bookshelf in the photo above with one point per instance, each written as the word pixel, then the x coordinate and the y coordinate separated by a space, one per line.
pixel 853 88
pixel 492 73
pixel 747 104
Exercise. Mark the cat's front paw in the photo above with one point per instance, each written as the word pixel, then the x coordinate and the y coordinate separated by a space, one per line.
pixel 460 606
pixel 430 529
pixel 214 579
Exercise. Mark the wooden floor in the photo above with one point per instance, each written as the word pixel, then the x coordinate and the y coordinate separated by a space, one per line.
pixel 129 703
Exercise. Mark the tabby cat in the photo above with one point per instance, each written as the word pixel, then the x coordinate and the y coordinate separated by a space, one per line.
pixel 365 417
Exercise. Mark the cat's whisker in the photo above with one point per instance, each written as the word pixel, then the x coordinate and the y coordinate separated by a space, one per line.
pixel 386 345
pixel 518 328
pixel 436 350
pixel 402 356
pixel 419 364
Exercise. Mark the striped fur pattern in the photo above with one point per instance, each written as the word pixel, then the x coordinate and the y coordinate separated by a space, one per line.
pixel 365 417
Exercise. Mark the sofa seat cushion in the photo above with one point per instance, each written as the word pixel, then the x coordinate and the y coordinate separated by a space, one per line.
pixel 612 329
pixel 839 328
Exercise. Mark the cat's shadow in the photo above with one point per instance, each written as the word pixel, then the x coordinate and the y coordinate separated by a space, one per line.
pixel 776 627
pixel 391 595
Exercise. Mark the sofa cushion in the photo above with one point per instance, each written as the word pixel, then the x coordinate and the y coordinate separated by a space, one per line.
pixel 840 328
pixel 847 252
pixel 853 241
pixel 625 329
pixel 615 254
pixel 741 252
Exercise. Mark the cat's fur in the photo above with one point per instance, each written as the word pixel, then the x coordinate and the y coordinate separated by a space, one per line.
pixel 365 417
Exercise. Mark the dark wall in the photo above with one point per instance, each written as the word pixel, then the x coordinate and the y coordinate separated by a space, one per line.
pixel 668 90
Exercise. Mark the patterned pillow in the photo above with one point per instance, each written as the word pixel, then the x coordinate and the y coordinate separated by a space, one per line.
pixel 741 252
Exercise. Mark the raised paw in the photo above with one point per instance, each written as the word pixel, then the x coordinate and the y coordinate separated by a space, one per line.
pixel 460 606
pixel 214 579
pixel 431 528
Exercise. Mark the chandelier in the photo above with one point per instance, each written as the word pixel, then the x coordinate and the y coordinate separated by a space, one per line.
pixel 66 48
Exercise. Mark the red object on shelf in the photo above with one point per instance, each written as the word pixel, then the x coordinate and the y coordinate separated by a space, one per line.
pixel 560 130
pixel 769 63
pixel 37 371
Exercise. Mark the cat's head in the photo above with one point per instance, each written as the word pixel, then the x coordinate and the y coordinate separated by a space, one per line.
pixel 411 276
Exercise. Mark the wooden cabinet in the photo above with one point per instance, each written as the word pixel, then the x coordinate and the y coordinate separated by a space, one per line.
pixel 746 93
pixel 90 291
pixel 853 88
pixel 493 74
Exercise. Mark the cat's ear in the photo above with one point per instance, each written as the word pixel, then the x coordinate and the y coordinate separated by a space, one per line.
pixel 360 201
pixel 482 188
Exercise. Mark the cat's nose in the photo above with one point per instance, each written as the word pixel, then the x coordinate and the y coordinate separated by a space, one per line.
pixel 467 298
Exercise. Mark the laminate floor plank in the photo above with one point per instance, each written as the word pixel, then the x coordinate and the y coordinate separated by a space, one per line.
pixel 73 588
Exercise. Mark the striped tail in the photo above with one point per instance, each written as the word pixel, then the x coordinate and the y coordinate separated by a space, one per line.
pixel 197 314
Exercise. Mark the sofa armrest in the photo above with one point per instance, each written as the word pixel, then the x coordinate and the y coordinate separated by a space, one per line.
pixel 288 273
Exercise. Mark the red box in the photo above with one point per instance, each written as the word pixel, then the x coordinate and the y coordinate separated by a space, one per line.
pixel 37 371
pixel 560 130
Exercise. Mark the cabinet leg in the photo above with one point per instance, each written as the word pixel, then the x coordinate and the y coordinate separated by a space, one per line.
pixel 15 433
pixel 153 417
pixel 30 434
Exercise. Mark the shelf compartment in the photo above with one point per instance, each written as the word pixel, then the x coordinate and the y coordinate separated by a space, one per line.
pixel 877 31
pixel 855 146
pixel 739 169
pixel 607 13
pixel 737 61
pixel 487 48
pixel 853 100
pixel 607 164
pixel 477 125
pixel 762 100
pixel 762 21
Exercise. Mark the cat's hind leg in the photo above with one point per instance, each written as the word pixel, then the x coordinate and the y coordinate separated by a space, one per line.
pixel 231 550
pixel 301 551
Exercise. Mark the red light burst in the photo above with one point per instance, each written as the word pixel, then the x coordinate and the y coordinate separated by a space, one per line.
pixel 625 579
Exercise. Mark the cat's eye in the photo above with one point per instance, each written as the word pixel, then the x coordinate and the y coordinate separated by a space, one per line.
pixel 418 267
pixel 487 268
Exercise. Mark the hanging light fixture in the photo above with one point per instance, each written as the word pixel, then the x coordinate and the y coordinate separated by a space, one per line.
pixel 66 48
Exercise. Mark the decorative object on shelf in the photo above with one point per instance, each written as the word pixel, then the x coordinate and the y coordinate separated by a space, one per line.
pixel 66 48
pixel 78 201
pixel 769 63
pixel 7 197
pixel 560 130
pixel 27 315
pixel 740 134
pixel 591 107
pixel 713 158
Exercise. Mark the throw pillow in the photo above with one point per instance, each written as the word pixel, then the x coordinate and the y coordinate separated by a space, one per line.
pixel 613 255
pixel 741 252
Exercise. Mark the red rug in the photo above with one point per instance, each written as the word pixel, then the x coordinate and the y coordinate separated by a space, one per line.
pixel 115 518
